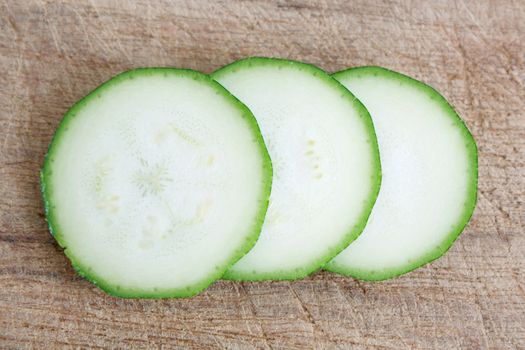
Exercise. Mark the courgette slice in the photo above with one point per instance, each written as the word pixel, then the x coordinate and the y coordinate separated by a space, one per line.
pixel 156 182
pixel 429 163
pixel 326 165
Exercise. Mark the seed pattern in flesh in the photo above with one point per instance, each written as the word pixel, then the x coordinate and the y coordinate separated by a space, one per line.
pixel 152 179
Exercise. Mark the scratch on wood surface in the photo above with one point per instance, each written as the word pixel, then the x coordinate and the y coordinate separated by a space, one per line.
pixel 14 105
pixel 361 320
pixel 253 311
pixel 83 27
pixel 483 321
pixel 317 329
pixel 480 33
pixel 51 28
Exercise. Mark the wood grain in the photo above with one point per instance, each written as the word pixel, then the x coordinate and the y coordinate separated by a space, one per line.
pixel 53 53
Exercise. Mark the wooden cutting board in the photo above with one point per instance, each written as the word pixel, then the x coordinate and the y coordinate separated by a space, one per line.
pixel 53 53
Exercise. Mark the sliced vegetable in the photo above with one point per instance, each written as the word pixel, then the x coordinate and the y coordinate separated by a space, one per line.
pixel 326 165
pixel 429 164
pixel 156 182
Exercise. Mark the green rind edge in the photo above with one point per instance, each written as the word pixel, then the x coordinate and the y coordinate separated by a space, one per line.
pixel 107 286
pixel 470 204
pixel 375 182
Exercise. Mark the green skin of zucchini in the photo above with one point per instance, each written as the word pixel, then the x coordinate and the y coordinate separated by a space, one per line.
pixel 352 232
pixel 47 189
pixel 469 205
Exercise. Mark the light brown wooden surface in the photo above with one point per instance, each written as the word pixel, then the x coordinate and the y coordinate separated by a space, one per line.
pixel 53 53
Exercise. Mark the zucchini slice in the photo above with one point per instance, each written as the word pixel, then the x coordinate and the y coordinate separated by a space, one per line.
pixel 429 164
pixel 326 165
pixel 156 183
